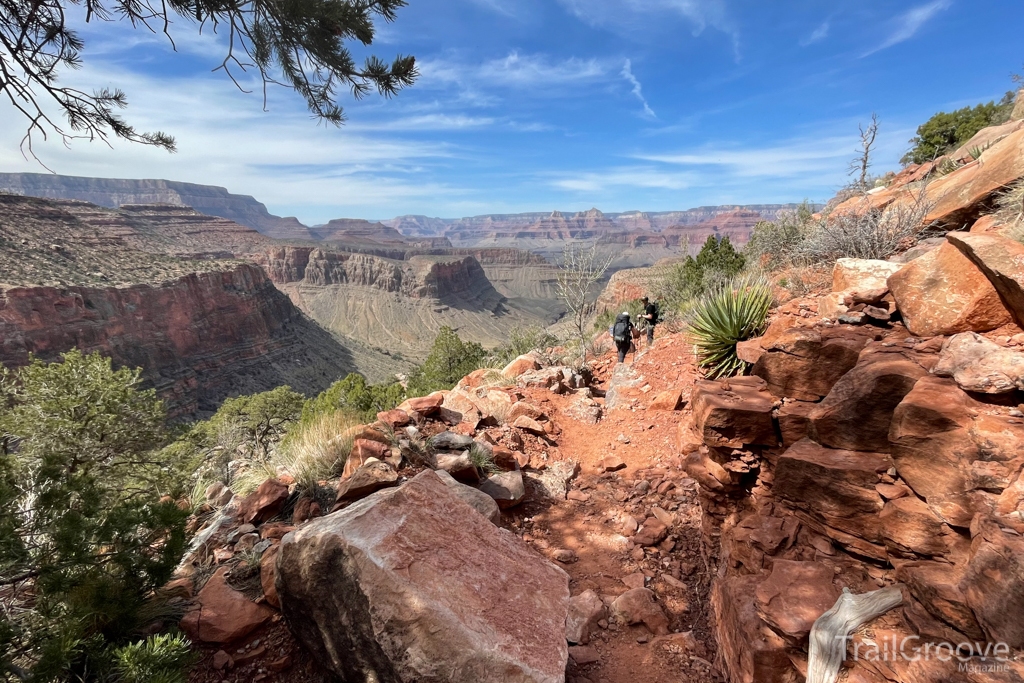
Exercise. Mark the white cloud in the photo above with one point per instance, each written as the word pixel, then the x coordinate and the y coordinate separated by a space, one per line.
pixel 642 177
pixel 537 70
pixel 819 34
pixel 794 158
pixel 500 6
pixel 627 73
pixel 906 25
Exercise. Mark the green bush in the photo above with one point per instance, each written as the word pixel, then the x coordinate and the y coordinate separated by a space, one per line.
pixel 946 131
pixel 724 317
pixel 450 360
pixel 158 659
pixel 354 395
pixel 715 264
pixel 85 537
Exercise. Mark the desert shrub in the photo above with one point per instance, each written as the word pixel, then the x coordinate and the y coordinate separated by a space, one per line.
pixel 946 131
pixel 85 534
pixel 450 360
pixel 724 317
pixel 158 659
pixel 715 264
pixel 776 244
pixel 866 232
pixel 354 395
pixel 521 340
pixel 316 450
pixel 1010 206
pixel 482 459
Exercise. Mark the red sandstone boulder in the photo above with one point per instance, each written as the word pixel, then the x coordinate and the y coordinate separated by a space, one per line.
pixel 363 450
pixel 936 586
pixel 750 652
pixel 638 606
pixel 910 527
pixel 858 411
pixel 585 610
pixel 370 477
pixel 794 420
pixel 981 366
pixel 860 275
pixel 667 400
pixel 268 575
pixel 394 418
pixel 806 363
pixel 520 365
pixel 424 405
pixel 267 501
pixel 795 595
pixel 224 615
pixel 414 585
pixel 992 583
pixel 528 424
pixel 943 293
pixel 735 412
pixel 1001 259
pixel 834 490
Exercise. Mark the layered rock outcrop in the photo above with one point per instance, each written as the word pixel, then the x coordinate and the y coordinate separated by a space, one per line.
pixel 198 339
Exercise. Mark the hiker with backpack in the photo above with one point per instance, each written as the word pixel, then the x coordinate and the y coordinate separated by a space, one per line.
pixel 650 318
pixel 622 334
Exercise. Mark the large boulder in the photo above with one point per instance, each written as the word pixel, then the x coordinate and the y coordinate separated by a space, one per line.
pixel 412 585
pixel 834 492
pixel 372 476
pixel 858 411
pixel 943 293
pixel 936 586
pixel 733 413
pixel 861 275
pixel 1001 259
pixel 263 503
pixel 585 611
pixel 806 363
pixel 749 651
pixel 224 615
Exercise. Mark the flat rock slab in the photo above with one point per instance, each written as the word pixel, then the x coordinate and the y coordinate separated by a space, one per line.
pixel 795 595
pixel 412 585
pixel 733 413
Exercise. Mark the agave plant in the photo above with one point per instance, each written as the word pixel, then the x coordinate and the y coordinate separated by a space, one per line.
pixel 724 317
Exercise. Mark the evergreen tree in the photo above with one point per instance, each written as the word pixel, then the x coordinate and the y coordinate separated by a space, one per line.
pixel 450 360
pixel 299 43
pixel 356 395
pixel 84 534
pixel 946 131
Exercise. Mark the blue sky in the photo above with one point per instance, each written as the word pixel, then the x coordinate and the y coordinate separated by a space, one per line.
pixel 531 105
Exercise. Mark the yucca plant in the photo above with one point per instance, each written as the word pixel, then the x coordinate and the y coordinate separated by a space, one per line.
pixel 724 317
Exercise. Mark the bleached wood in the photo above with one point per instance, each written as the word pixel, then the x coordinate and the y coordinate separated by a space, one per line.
pixel 830 632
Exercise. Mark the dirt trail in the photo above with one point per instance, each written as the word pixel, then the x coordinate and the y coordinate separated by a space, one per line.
pixel 597 526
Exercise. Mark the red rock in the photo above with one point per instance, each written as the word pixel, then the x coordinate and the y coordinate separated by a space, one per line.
pixel 639 606
pixel 222 660
pixel 635 580
pixel 795 595
pixel 794 421
pixel 528 425
pixel 423 405
pixel 266 502
pixel 732 413
pixel 522 408
pixel 1001 259
pixel 805 364
pixel 910 527
pixel 980 366
pixel 852 274
pixel 936 586
pixel 942 293
pixel 750 350
pixel 583 654
pixel 363 450
pixel 667 400
pixel 268 575
pixel 611 463
pixel 370 477
pixel 304 510
pixel 445 580
pixel 985 224
pixel 992 583
pixel 275 532
pixel 365 432
pixel 835 492
pixel 519 366
pixel 857 413
pixel 506 488
pixel 748 650
pixel 585 610
pixel 652 532
pixel 182 588
pixel 394 418
pixel 224 615
pixel 931 444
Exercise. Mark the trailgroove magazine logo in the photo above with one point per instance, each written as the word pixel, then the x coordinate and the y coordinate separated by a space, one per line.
pixel 973 657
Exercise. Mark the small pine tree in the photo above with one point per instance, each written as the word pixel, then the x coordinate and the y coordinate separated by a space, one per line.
pixel 355 395
pixel 717 262
pixel 946 131
pixel 450 360
pixel 84 534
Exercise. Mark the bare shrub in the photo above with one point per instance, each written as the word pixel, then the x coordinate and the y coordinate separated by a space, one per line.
pixel 579 272
pixel 866 232
pixel 1010 208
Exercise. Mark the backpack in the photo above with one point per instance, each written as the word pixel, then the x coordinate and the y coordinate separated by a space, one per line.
pixel 620 332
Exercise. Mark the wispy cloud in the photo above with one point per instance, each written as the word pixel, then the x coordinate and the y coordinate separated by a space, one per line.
pixel 503 7
pixel 795 157
pixel 537 70
pixel 627 73
pixel 906 25
pixel 643 177
pixel 618 14
pixel 819 34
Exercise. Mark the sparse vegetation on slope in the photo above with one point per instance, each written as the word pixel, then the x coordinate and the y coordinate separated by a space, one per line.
pixel 947 131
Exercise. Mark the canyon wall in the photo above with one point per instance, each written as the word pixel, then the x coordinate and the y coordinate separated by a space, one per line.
pixel 198 339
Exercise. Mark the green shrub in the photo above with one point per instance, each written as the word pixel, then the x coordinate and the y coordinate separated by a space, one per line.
pixel 724 317
pixel 482 459
pixel 354 395
pixel 450 360
pixel 715 264
pixel 946 131
pixel 84 535
pixel 158 659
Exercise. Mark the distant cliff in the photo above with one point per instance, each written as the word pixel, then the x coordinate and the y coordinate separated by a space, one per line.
pixel 199 338
pixel 113 193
